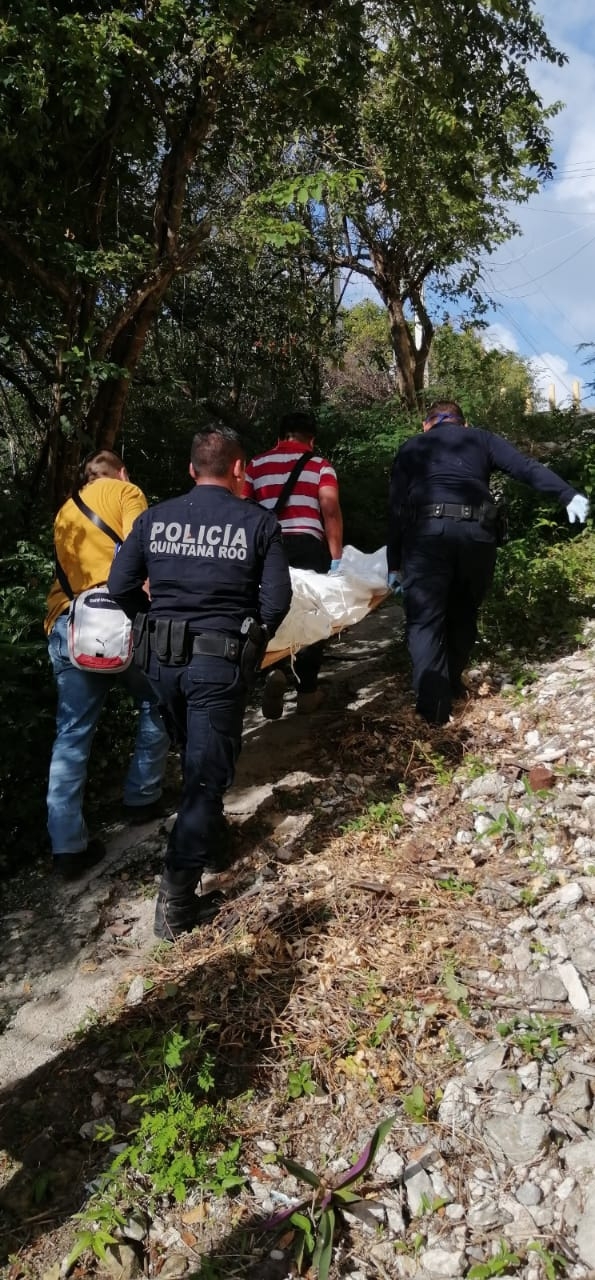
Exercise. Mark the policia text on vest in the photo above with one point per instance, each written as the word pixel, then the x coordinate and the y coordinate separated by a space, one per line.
pixel 215 542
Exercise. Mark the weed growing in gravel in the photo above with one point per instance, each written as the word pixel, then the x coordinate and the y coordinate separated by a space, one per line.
pixel 553 1263
pixel 455 990
pixel 443 773
pixel 460 888
pixel 537 1037
pixel 505 824
pixel 316 1218
pixel 173 1145
pixel 503 1260
pixel 300 1082
pixel 414 1104
pixel 381 813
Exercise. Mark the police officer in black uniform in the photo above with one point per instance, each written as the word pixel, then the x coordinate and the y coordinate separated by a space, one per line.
pixel 443 534
pixel 219 588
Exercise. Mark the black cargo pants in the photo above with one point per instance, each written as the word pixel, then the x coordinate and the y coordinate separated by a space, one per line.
pixel 448 566
pixel 203 705
pixel 304 551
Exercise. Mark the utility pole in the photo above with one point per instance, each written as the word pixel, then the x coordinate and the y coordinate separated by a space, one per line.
pixel 418 335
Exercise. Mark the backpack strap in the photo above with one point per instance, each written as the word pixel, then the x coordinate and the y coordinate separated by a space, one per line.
pixel 94 518
pixel 291 481
pixel 63 580
pixel 100 524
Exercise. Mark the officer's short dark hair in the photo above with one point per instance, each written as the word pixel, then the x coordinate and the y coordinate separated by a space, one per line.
pixel 300 424
pixel 449 408
pixel 215 450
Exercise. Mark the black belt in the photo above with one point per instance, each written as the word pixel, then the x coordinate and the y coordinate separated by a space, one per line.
pixel 450 510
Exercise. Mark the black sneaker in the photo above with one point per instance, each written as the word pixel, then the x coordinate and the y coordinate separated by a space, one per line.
pixel 220 855
pixel 136 814
pixel 274 692
pixel 72 865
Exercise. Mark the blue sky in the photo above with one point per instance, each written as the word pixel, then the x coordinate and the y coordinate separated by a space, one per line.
pixel 541 284
pixel 543 281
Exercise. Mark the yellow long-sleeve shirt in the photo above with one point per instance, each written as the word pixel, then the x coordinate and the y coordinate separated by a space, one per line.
pixel 84 552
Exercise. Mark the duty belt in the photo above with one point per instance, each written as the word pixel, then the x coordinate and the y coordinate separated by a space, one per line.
pixel 175 644
pixel 449 510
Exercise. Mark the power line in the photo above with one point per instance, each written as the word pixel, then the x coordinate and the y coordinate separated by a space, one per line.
pixel 539 318
pixel 556 267
pixel 556 240
pixel 574 213
pixel 529 341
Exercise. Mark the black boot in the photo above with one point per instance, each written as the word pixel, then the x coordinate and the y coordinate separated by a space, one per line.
pixel 219 855
pixel 178 910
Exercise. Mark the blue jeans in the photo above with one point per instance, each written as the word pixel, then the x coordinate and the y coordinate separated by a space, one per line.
pixel 81 695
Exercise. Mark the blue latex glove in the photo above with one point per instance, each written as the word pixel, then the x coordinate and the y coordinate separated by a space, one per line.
pixel 578 509
pixel 394 582
pixel 335 566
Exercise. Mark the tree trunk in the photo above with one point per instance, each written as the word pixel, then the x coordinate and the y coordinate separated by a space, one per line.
pixel 404 352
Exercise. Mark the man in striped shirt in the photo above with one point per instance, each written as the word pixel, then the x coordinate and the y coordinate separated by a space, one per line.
pixel 312 526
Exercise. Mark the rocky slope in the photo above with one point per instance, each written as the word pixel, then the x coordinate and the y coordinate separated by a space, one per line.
pixel 410 933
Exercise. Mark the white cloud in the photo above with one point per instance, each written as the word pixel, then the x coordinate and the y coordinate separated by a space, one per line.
pixel 553 377
pixel 541 282
pixel 498 338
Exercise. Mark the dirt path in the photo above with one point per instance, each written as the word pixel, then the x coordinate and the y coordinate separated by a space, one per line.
pixel 66 949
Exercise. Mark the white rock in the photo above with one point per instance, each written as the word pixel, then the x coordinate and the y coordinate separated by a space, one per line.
pixel 420 1191
pixel 482 1067
pixel 457 1104
pixel 576 992
pixel 441 1262
pixel 579 1155
pixel 390 1167
pixel 136 990
pixel 529 1194
pixel 565 1188
pixel 568 895
pixel 585 1231
pixel 518 1137
pixel 455 1212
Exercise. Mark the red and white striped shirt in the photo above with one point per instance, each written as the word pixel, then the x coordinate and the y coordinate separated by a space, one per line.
pixel 267 473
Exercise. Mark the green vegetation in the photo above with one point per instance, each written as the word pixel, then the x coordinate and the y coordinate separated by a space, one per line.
pixel 175 1146
pixel 537 1036
pixel 179 190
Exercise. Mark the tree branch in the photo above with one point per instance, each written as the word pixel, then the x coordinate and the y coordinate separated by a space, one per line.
pixel 38 409
pixel 51 282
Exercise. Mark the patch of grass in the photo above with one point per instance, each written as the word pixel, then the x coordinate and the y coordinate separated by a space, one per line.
pixel 175 1144
pixel 459 888
pixel 386 815
pixel 538 1037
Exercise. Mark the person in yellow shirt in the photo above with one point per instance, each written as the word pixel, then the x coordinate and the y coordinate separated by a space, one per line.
pixel 84 553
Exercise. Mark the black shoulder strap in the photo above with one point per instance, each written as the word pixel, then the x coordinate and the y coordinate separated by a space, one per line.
pixel 291 481
pixel 94 518
pixel 63 580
